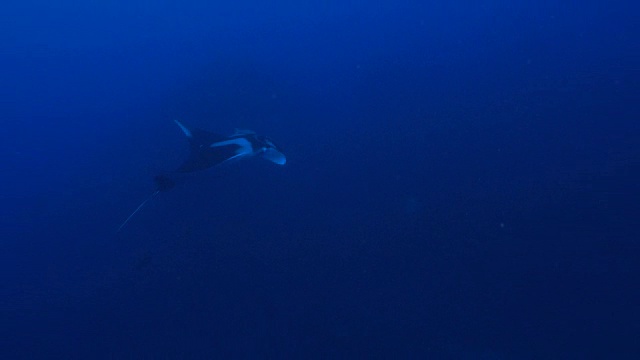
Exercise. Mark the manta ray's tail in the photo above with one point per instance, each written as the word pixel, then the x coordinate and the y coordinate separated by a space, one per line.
pixel 163 183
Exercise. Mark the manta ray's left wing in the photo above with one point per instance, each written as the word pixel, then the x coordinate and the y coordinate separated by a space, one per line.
pixel 204 151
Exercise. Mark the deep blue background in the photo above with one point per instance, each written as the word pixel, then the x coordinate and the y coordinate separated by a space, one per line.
pixel 462 180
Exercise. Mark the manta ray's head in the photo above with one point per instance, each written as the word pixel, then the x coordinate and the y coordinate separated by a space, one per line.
pixel 270 151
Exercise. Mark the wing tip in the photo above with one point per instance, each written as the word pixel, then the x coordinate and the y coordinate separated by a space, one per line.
pixel 184 129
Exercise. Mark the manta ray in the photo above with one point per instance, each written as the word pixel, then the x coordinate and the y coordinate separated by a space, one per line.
pixel 209 150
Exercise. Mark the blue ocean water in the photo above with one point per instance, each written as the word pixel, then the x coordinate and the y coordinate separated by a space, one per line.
pixel 462 180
